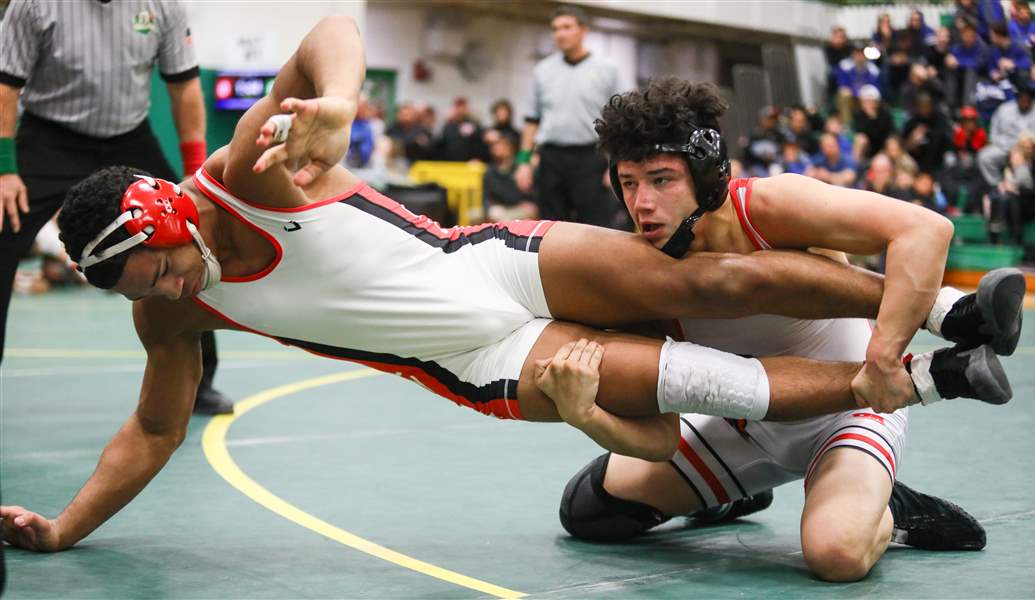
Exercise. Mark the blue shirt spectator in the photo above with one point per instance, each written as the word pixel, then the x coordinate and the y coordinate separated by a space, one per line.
pixel 856 71
pixel 918 29
pixel 970 52
pixel 1021 27
pixel 793 160
pixel 361 144
pixel 1005 57
pixel 831 165
pixel 982 12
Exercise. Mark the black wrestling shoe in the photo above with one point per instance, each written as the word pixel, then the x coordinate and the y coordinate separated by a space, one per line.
pixel 992 315
pixel 969 373
pixel 212 402
pixel 930 523
pixel 734 510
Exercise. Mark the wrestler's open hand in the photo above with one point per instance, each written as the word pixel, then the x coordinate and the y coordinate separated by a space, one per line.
pixel 317 140
pixel 571 379
pixel 26 529
pixel 883 386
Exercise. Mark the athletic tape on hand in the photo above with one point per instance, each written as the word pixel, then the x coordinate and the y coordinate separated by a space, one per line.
pixel 282 125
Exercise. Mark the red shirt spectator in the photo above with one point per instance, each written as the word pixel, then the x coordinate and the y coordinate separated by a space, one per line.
pixel 968 134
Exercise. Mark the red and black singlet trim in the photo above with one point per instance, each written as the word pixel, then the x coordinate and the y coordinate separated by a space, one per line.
pixel 519 235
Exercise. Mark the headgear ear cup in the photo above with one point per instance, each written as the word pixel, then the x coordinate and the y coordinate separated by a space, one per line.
pixel 157 214
pixel 164 212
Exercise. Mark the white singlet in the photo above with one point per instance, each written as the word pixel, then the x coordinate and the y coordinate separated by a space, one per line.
pixel 358 277
pixel 724 459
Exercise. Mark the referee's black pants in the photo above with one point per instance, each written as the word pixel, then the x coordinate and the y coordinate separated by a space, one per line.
pixel 569 186
pixel 53 158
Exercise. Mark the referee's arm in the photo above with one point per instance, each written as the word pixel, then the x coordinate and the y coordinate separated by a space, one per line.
pixel 188 111
pixel 14 198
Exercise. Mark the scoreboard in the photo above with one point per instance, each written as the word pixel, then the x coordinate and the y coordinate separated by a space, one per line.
pixel 238 90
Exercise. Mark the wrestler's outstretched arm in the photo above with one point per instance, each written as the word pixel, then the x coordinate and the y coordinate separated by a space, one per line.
pixel 314 98
pixel 800 212
pixel 139 449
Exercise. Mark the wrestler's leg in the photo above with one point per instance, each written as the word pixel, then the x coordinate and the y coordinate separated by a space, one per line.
pixel 656 484
pixel 798 387
pixel 607 278
pixel 846 525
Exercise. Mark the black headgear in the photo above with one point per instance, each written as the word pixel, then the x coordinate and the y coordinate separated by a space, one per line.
pixel 709 164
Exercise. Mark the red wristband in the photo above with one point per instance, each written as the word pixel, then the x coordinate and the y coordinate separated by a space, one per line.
pixel 193 154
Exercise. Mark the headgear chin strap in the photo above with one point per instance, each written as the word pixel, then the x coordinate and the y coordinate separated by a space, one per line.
pixel 679 244
pixel 157 214
pixel 709 165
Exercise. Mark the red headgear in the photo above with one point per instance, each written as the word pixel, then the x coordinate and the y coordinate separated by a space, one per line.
pixel 155 212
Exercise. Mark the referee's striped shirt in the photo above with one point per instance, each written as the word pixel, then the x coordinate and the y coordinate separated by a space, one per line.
pixel 86 64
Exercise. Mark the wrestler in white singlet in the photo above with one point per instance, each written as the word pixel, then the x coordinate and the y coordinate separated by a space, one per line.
pixel 456 310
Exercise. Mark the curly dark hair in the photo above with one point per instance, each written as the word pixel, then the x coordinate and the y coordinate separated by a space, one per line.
pixel 665 112
pixel 90 206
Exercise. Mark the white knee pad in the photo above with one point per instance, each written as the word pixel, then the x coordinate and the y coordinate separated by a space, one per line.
pixel 695 379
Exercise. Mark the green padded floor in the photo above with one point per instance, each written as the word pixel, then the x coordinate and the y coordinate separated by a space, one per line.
pixel 386 461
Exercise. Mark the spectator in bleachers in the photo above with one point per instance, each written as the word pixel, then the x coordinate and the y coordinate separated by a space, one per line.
pixel 369 147
pixel 921 81
pixel 461 138
pixel 800 126
pixel 919 33
pixel 883 37
pixel 427 117
pixel 503 119
pixel 896 54
pixel 969 135
pixel 1012 202
pixel 503 200
pixel 763 146
pixel 1006 58
pixel 925 193
pixel 966 63
pixel 900 159
pixel 989 94
pixel 835 127
pixel 1010 120
pixel 832 165
pixel 852 74
pixel 941 48
pixel 836 50
pixel 872 123
pixel 1021 27
pixel 880 178
pixel 410 134
pixel 361 137
pixel 982 13
pixel 793 159
pixel 927 135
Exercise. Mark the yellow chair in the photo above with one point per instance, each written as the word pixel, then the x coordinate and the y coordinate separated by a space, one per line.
pixel 463 183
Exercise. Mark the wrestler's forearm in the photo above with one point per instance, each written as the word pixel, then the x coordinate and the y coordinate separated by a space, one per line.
pixel 650 438
pixel 129 462
pixel 915 266
pixel 331 58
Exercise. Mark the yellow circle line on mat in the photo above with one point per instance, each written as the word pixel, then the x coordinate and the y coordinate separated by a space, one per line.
pixel 213 442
